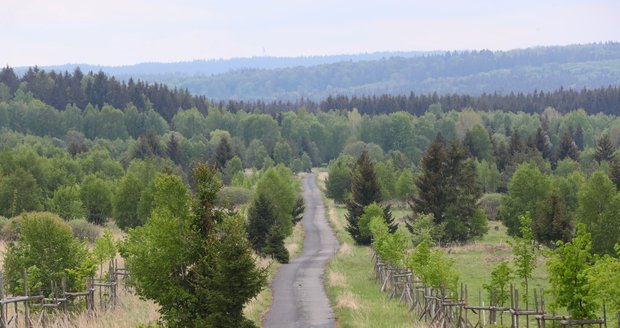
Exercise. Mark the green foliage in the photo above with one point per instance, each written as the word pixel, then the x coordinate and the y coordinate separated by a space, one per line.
pixel 447 188
pixel 568 267
pixel 365 190
pixel 234 196
pixel 277 184
pixel 66 202
pixel 490 204
pixel 526 188
pixel 389 246
pixel 105 248
pixel 498 287
pixel 47 249
pixel 604 279
pixel 233 166
pixel 125 202
pixel 274 245
pixel 525 252
pixel 96 197
pixel 262 218
pixel 405 186
pixel 19 192
pixel 488 176
pixel 204 271
pixel 371 211
pixel 338 182
pixel 551 221
pixel 423 228
pixel 599 210
pixel 433 267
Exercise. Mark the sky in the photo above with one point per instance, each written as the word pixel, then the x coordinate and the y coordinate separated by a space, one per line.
pixel 124 32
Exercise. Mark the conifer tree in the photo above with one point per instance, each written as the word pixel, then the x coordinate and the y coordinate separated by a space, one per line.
pixel 223 154
pixel 448 189
pixel 604 149
pixel 261 219
pixel 552 221
pixel 568 148
pixel 365 190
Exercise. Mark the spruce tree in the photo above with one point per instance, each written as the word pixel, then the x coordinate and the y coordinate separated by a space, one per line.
pixel 261 219
pixel 448 189
pixel 365 190
pixel 552 221
pixel 223 154
pixel 568 148
pixel 604 149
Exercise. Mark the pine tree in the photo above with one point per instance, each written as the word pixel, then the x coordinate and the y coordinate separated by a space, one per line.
pixel 604 149
pixel 614 175
pixel 431 196
pixel 274 245
pixel 365 190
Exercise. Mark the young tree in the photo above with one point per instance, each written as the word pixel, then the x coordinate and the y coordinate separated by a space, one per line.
pixel 47 249
pixel 525 252
pixel 298 210
pixel 567 267
pixel 525 189
pixel 97 199
pixel 599 210
pixel 204 271
pixel 338 184
pixel 365 190
pixel 405 186
pixel 66 202
pixel 261 219
pixel 277 184
pixel 498 286
pixel 125 202
pixel 604 279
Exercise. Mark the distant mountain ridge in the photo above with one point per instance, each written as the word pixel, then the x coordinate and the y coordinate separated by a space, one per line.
pixel 474 73
pixel 220 66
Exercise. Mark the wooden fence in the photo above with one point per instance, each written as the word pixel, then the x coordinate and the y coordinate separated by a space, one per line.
pixel 33 310
pixel 441 309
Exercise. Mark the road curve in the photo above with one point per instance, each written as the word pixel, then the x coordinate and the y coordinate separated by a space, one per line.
pixel 299 298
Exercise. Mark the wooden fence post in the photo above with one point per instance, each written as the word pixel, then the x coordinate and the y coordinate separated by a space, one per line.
pixel 26 314
pixel 2 313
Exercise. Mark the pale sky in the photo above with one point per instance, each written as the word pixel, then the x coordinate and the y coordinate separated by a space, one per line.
pixel 123 32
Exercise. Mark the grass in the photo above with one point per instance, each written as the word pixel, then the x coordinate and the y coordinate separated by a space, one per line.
pixel 356 298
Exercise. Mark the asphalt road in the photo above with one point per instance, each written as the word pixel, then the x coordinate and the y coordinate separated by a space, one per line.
pixel 299 298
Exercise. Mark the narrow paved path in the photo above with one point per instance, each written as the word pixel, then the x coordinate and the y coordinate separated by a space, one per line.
pixel 299 299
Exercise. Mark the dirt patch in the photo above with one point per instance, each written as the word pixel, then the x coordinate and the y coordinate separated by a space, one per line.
pixel 494 259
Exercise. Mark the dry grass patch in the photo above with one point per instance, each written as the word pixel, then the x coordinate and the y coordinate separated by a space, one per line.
pixel 345 249
pixel 336 279
pixel 347 300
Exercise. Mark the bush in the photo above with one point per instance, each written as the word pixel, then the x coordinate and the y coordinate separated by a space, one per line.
pixel 234 196
pixel 489 203
pixel 48 251
pixel 84 230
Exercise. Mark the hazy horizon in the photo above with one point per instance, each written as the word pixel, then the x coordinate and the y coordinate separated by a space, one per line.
pixel 121 33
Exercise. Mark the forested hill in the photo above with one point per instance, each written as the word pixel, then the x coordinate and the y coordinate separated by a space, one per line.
pixel 472 73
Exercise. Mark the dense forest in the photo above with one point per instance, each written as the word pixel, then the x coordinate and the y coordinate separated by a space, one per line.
pixel 466 72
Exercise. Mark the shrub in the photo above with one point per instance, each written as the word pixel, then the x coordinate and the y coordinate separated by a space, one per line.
pixel 84 230
pixel 234 196
pixel 490 203
pixel 48 251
